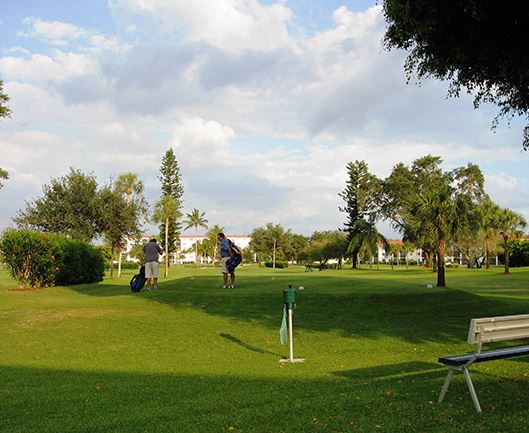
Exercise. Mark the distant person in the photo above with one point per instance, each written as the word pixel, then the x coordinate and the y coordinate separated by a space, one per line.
pixel 225 253
pixel 152 253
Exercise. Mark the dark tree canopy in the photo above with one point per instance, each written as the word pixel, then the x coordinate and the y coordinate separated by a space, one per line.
pixel 480 45
pixel 70 206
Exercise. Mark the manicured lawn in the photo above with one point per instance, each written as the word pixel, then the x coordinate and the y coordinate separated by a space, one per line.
pixel 194 357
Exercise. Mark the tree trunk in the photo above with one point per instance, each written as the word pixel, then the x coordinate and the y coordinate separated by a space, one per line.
pixel 274 255
pixel 166 273
pixel 119 262
pixel 506 251
pixel 354 259
pixel 196 246
pixel 111 262
pixel 487 256
pixel 428 259
pixel 441 250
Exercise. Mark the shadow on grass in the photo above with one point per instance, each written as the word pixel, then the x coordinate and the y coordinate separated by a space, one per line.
pixel 247 346
pixel 50 401
pixel 415 369
pixel 354 307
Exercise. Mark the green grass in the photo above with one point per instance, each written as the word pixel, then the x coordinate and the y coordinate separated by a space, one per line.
pixel 194 357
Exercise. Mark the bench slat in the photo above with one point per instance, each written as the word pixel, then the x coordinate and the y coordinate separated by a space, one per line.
pixel 488 355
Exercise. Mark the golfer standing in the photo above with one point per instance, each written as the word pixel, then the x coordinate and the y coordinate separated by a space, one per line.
pixel 152 252
pixel 225 253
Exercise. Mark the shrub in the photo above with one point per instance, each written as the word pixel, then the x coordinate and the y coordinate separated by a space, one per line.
pixel 78 262
pixel 279 265
pixel 43 259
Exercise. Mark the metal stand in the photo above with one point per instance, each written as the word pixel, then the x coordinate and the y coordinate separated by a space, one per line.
pixel 466 373
pixel 291 342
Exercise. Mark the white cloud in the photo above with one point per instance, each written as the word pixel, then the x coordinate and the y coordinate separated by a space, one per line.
pixel 202 143
pixel 42 68
pixel 55 32
pixel 232 25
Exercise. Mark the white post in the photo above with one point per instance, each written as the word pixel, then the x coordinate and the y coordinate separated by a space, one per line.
pixel 290 336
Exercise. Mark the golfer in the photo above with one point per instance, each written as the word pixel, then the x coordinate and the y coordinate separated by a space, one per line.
pixel 152 252
pixel 225 253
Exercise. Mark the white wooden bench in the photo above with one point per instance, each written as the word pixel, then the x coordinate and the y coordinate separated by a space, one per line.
pixel 486 330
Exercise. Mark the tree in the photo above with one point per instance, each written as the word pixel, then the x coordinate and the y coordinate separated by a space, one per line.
pixel 3 175
pixel 327 245
pixel 269 242
pixel 171 186
pixel 511 225
pixel 196 219
pixel 5 111
pixel 360 206
pixel 432 207
pixel 297 245
pixel 490 221
pixel 70 206
pixel 213 240
pixel 118 220
pixel 131 187
pixel 166 211
pixel 477 45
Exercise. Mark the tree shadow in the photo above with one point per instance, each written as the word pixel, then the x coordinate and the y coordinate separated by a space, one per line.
pixel 354 307
pixel 37 400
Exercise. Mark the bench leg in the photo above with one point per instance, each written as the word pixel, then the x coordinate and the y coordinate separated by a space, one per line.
pixel 445 386
pixel 472 390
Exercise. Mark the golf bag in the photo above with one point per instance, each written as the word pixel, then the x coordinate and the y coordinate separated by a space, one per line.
pixel 234 260
pixel 138 281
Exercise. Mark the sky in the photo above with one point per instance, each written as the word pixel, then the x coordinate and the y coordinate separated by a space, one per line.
pixel 263 102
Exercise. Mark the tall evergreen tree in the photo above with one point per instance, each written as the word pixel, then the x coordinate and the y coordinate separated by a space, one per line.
pixel 359 196
pixel 171 186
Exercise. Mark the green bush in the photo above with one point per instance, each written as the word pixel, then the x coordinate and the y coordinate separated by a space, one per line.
pixel 77 262
pixel 43 259
pixel 279 265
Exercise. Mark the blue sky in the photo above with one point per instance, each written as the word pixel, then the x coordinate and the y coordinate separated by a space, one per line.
pixel 264 103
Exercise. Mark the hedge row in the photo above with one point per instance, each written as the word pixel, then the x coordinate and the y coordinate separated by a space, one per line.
pixel 44 259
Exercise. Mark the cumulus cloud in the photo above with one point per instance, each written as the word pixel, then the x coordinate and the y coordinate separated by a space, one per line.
pixel 55 32
pixel 232 25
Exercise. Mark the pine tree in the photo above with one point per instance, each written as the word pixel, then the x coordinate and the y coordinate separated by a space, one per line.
pixel 359 197
pixel 171 186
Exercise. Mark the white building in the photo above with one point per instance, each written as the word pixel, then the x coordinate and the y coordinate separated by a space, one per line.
pixel 398 256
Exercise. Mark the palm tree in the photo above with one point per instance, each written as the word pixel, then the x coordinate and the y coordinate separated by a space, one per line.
pixel 510 224
pixel 196 219
pixel 491 214
pixel 366 240
pixel 166 211
pixel 212 236
pixel 131 186
pixel 442 214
